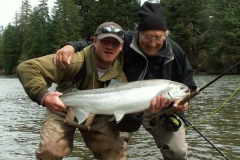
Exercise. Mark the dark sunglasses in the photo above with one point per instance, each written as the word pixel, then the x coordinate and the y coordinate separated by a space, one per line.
pixel 116 31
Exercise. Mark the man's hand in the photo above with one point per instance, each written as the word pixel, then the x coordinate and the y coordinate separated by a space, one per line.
pixel 156 105
pixel 53 103
pixel 64 56
pixel 180 108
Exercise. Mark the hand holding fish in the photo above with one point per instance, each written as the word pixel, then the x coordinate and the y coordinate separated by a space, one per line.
pixel 158 104
pixel 180 108
pixel 53 103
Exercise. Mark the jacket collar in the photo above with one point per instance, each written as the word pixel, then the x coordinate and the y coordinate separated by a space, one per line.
pixel 169 55
pixel 168 49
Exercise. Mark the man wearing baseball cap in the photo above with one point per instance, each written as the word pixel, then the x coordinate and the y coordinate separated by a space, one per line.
pixel 97 65
pixel 149 53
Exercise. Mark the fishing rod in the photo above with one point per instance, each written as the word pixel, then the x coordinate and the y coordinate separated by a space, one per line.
pixel 176 123
pixel 173 123
pixel 206 139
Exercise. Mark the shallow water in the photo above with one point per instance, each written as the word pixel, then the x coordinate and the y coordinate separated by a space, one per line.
pixel 20 123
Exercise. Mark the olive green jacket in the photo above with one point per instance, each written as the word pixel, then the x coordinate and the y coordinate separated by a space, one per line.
pixel 38 74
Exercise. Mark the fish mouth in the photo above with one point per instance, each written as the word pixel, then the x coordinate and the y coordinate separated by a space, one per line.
pixel 187 92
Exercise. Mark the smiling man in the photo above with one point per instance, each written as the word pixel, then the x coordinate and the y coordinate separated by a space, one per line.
pixel 149 53
pixel 102 61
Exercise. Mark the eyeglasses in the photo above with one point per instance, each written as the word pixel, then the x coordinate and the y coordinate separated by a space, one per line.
pixel 158 39
pixel 116 31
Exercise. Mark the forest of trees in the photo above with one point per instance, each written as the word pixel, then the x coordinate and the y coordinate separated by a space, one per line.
pixel 207 30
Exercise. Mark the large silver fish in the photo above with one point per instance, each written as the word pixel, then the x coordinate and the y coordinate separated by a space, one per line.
pixel 123 98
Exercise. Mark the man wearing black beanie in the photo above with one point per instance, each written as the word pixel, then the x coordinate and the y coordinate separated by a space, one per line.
pixel 150 54
pixel 151 17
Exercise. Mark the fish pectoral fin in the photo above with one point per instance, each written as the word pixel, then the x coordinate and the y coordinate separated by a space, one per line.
pixel 118 117
pixel 114 83
pixel 81 115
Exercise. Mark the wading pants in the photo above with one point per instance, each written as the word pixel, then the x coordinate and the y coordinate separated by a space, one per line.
pixel 100 136
pixel 172 145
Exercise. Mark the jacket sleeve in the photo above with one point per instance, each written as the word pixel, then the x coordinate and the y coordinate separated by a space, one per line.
pixel 188 76
pixel 181 68
pixel 31 75
pixel 129 123
pixel 38 74
pixel 78 45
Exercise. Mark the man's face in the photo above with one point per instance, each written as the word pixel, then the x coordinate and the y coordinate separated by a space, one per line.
pixel 107 50
pixel 151 41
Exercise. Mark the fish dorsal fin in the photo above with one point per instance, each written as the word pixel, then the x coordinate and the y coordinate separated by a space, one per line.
pixel 118 116
pixel 81 115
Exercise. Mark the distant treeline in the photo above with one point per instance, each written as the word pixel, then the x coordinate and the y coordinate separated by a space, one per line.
pixel 207 30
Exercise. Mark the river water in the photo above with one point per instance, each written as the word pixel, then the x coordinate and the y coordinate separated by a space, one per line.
pixel 20 123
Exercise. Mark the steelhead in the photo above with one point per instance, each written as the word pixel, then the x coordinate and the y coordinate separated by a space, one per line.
pixel 122 98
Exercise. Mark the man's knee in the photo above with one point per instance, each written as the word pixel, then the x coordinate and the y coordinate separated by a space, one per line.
pixel 104 140
pixel 175 152
pixel 46 155
pixel 53 150
pixel 104 146
pixel 55 143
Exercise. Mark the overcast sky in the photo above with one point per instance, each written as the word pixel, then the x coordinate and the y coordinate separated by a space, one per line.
pixel 8 8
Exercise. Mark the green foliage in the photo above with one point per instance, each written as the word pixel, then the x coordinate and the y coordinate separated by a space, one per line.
pixel 207 30
pixel 39 34
pixel 183 19
pixel 211 27
pixel 66 22
pixel 1 49
pixel 11 49
pixel 225 32
pixel 95 12
pixel 183 38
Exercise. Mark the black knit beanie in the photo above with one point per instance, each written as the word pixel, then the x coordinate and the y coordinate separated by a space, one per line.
pixel 151 17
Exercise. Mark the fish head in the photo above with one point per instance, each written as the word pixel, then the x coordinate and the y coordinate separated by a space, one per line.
pixel 177 90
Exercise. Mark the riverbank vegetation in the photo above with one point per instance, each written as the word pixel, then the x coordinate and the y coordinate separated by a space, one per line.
pixel 207 30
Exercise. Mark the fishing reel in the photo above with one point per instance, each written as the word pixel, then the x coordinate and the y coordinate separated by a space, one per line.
pixel 172 122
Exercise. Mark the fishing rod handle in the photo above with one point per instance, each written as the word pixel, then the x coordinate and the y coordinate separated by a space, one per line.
pixel 184 100
pixel 188 97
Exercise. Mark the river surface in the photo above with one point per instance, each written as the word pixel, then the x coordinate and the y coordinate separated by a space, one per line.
pixel 20 123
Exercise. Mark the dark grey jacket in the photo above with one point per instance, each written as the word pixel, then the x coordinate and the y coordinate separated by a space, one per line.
pixel 176 66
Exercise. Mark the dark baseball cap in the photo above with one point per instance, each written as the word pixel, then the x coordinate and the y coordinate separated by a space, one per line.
pixel 110 29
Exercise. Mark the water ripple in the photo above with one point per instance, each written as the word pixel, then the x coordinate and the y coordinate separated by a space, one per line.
pixel 20 123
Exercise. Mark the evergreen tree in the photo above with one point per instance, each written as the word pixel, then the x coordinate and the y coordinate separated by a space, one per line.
pixel 25 11
pixel 207 30
pixel 23 21
pixel 66 22
pixel 183 19
pixel 123 12
pixel 38 35
pixel 226 32
pixel 10 49
pixel 1 48
pixel 46 28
